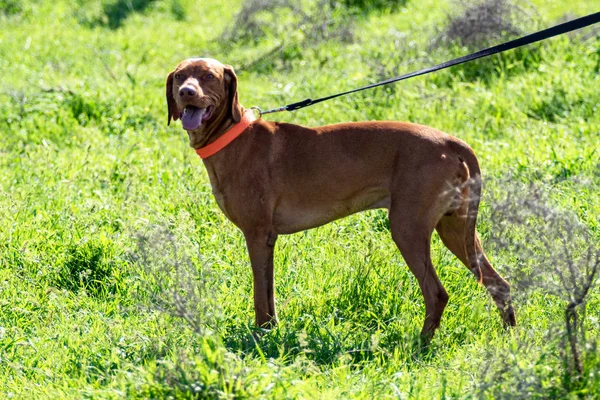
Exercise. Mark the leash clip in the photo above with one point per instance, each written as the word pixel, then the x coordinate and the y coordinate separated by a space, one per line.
pixel 274 110
pixel 260 112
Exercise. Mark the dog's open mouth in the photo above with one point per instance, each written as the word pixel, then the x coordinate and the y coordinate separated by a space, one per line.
pixel 193 117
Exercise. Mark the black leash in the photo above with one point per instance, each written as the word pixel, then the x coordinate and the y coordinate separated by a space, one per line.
pixel 525 40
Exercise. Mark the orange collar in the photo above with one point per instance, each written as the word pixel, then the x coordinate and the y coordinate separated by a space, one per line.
pixel 228 136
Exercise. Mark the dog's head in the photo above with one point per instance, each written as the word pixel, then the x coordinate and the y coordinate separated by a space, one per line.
pixel 202 92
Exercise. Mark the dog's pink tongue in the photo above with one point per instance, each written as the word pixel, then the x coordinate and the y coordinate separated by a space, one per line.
pixel 192 118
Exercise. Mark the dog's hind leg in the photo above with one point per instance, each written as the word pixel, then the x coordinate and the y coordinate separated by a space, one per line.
pixel 452 230
pixel 413 238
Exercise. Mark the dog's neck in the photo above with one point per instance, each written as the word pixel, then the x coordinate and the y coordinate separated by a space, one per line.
pixel 229 136
pixel 223 166
pixel 213 129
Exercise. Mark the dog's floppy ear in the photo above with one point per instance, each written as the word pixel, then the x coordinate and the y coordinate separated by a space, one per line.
pixel 231 85
pixel 171 105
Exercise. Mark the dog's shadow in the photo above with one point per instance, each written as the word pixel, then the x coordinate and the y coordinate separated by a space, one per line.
pixel 324 347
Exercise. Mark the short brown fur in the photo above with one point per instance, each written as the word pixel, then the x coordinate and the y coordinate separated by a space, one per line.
pixel 279 178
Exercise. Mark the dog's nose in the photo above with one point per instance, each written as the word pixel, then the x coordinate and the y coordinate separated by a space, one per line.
pixel 187 91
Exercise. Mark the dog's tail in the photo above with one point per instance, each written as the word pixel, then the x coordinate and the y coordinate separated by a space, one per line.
pixel 470 195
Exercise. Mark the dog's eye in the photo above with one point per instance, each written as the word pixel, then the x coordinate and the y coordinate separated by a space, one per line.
pixel 179 76
pixel 209 77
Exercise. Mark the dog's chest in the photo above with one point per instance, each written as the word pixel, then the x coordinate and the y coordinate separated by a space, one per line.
pixel 220 199
pixel 218 191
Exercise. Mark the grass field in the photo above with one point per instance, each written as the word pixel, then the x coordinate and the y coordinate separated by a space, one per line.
pixel 108 224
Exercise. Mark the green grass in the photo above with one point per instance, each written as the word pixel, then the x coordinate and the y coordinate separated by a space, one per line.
pixel 87 165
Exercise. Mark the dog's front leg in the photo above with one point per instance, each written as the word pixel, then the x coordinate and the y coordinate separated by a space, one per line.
pixel 261 245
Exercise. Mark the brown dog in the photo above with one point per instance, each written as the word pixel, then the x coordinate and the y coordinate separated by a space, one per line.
pixel 278 178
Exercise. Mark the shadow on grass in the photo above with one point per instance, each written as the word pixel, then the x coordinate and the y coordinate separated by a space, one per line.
pixel 324 347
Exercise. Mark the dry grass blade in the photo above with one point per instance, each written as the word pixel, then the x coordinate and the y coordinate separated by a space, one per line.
pixel 176 286
pixel 483 22
pixel 553 251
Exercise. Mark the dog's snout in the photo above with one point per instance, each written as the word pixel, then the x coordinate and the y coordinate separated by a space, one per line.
pixel 187 91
